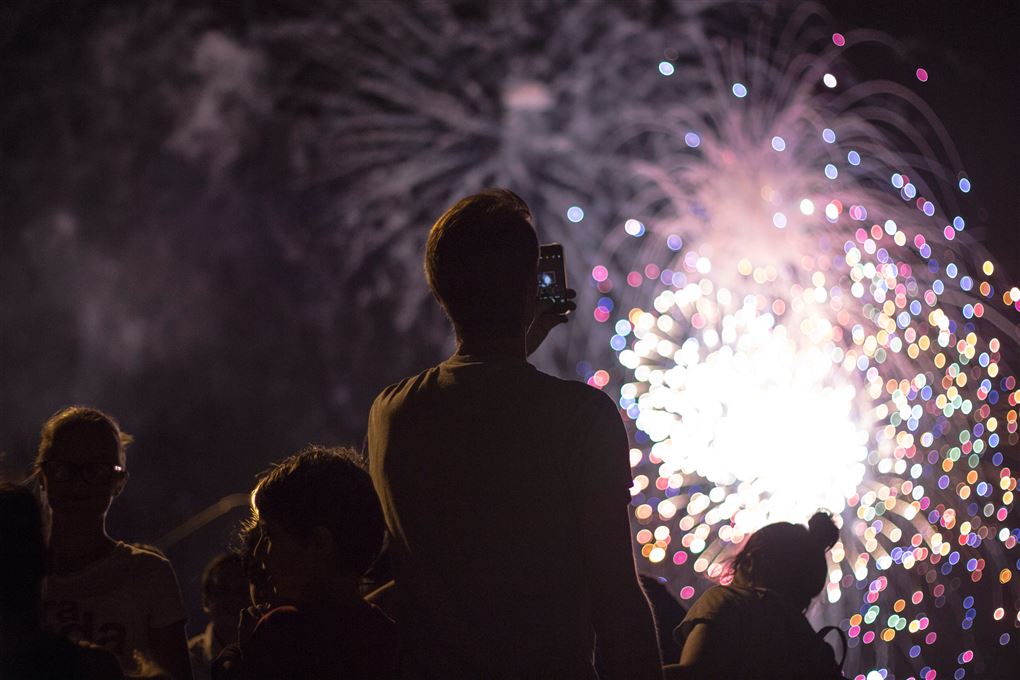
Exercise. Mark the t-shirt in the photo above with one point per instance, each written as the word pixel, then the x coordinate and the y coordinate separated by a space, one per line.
pixel 762 636
pixel 480 464
pixel 321 643
pixel 113 602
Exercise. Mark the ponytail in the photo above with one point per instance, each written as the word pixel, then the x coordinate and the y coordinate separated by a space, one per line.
pixel 822 531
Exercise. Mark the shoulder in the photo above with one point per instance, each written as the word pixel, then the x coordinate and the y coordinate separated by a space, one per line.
pixel 720 602
pixel 578 394
pixel 279 616
pixel 398 391
pixel 141 559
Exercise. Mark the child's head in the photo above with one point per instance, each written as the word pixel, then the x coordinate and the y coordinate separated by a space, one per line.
pixel 225 593
pixel 787 558
pixel 318 515
pixel 82 461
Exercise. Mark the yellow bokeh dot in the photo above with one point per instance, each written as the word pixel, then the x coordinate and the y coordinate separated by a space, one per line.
pixel 898 607
pixel 988 268
pixel 1005 576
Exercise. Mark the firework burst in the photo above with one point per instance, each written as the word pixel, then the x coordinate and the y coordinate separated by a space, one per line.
pixel 800 323
pixel 783 293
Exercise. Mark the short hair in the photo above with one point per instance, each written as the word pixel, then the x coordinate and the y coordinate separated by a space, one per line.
pixel 75 425
pixel 23 548
pixel 788 558
pixel 326 487
pixel 478 259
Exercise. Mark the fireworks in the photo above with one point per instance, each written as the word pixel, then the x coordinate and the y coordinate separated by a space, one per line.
pixel 803 324
pixel 780 287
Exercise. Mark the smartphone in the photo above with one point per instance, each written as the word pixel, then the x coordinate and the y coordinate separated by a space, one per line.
pixel 552 274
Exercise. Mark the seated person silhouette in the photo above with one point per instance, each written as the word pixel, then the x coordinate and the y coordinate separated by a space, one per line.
pixel 755 627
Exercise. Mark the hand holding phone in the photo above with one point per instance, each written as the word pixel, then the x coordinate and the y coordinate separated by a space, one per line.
pixel 552 275
pixel 555 300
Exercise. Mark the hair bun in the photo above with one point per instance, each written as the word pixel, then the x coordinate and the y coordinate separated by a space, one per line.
pixel 822 530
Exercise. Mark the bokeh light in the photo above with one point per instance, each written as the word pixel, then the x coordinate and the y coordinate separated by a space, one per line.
pixel 823 339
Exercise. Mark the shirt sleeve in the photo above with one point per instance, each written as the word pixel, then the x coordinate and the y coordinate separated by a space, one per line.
pixel 276 648
pixel 166 606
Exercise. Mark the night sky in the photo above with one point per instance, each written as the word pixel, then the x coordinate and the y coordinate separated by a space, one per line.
pixel 972 55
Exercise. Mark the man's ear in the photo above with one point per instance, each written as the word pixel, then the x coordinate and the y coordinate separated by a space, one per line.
pixel 119 484
pixel 322 539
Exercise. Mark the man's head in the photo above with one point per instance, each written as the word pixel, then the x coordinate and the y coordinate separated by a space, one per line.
pixel 481 261
pixel 225 594
pixel 317 514
pixel 82 460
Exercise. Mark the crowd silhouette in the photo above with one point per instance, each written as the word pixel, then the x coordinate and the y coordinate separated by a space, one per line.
pixel 483 532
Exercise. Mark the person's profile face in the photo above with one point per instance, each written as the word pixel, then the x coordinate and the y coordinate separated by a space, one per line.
pixel 230 598
pixel 82 477
pixel 287 560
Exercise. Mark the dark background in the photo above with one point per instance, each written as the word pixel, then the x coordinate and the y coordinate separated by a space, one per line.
pixel 169 289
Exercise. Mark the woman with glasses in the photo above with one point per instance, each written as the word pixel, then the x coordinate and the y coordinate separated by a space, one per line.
pixel 115 595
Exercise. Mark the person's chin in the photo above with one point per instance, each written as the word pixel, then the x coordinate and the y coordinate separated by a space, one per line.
pixel 79 505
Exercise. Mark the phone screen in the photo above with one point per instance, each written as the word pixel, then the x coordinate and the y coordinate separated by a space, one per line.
pixel 552 274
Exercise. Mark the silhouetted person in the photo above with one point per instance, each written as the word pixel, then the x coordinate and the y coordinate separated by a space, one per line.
pixel 506 489
pixel 121 597
pixel 224 596
pixel 755 627
pixel 26 651
pixel 227 664
pixel 319 529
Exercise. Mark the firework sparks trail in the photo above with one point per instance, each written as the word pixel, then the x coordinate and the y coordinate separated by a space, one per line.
pixel 779 283
pixel 800 325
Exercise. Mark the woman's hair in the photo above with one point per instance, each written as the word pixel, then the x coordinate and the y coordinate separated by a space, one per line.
pixel 325 487
pixel 82 425
pixel 788 558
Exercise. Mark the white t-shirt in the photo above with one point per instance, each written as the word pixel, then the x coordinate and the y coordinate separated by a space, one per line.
pixel 114 602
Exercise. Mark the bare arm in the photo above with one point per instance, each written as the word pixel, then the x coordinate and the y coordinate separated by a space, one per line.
pixel 169 646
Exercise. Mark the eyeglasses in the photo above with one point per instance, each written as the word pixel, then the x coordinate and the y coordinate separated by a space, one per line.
pixel 90 473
